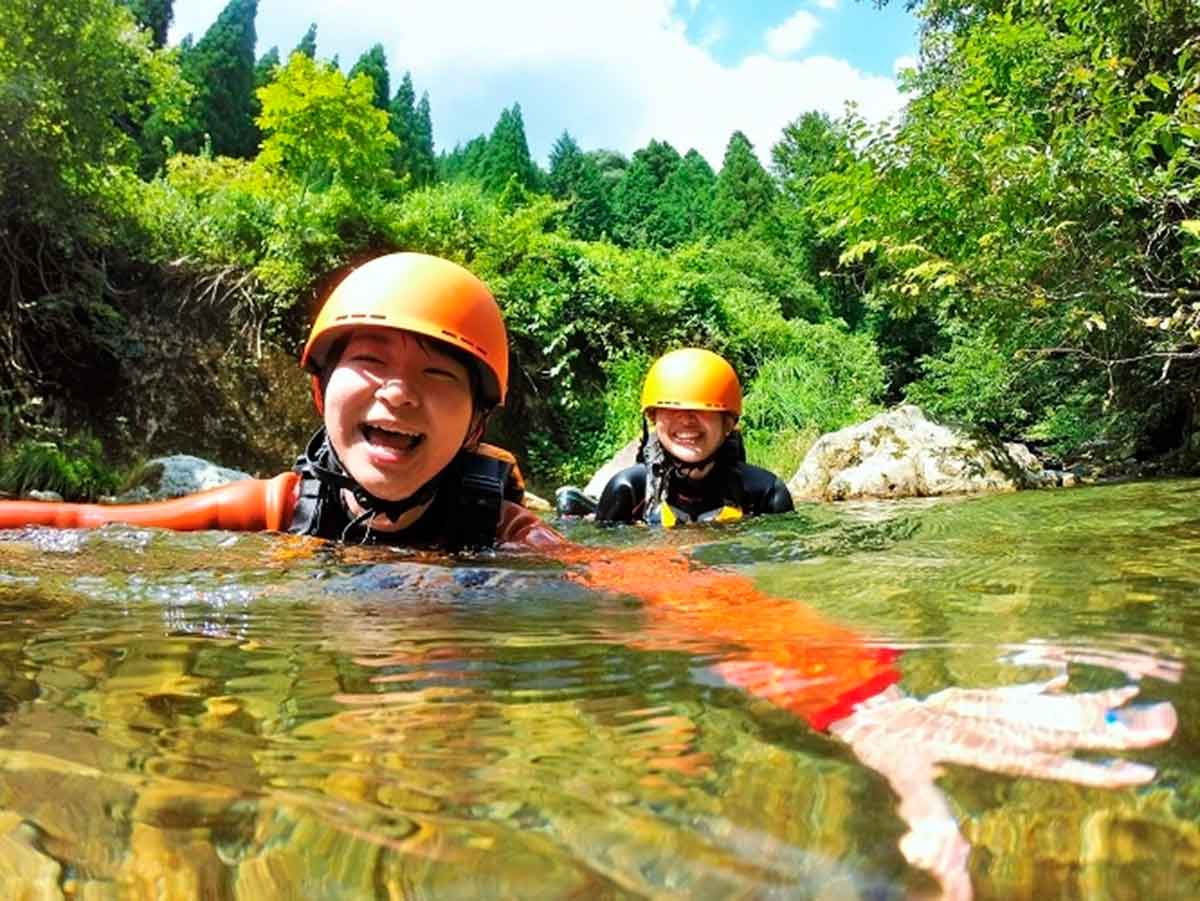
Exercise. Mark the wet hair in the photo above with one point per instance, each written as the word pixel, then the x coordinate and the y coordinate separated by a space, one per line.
pixel 474 377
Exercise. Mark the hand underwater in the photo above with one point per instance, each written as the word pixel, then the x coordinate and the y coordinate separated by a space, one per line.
pixel 1023 730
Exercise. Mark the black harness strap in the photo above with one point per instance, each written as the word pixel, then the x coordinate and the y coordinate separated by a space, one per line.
pixel 472 485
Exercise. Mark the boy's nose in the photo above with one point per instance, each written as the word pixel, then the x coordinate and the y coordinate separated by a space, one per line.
pixel 397 391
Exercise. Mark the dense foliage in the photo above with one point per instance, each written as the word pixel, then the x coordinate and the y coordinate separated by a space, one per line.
pixel 1019 251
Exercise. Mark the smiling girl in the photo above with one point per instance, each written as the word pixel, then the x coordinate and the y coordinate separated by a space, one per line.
pixel 691 465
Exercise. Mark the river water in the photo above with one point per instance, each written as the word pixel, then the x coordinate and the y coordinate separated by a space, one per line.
pixel 227 716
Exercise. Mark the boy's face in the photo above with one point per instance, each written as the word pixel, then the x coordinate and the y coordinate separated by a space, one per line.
pixel 397 410
pixel 690 436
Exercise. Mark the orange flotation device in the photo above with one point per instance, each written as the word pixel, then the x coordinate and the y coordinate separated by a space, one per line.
pixel 248 505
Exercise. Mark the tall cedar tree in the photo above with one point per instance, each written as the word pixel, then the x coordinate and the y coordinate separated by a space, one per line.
pixel 507 155
pixel 745 191
pixel 374 63
pixel 264 74
pixel 308 43
pixel 155 15
pixel 574 176
pixel 686 201
pixel 637 209
pixel 402 117
pixel 464 162
pixel 221 67
pixel 424 162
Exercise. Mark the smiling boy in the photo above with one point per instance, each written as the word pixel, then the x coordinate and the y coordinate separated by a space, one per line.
pixel 408 358
pixel 692 466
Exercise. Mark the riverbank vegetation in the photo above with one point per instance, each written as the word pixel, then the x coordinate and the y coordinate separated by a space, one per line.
pixel 1019 251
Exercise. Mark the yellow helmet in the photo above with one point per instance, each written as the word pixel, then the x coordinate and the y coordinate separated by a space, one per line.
pixel 423 294
pixel 692 379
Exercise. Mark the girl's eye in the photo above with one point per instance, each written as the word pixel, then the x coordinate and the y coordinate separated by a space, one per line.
pixel 441 373
pixel 364 357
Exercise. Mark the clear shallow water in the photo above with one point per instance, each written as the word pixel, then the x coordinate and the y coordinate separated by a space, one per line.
pixel 248 716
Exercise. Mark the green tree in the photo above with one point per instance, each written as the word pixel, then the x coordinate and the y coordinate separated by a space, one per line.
pixel 611 165
pixel 78 79
pixel 156 15
pixel 810 148
pixel 575 177
pixel 638 220
pixel 686 201
pixel 744 193
pixel 507 156
pixel 423 161
pixel 373 63
pixel 221 67
pixel 464 162
pixel 412 124
pixel 320 127
pixel 308 43
pixel 1041 191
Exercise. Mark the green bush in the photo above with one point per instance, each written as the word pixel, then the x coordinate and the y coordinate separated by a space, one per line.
pixel 831 379
pixel 74 468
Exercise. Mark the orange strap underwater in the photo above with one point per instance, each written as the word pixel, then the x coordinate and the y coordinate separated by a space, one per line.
pixel 249 505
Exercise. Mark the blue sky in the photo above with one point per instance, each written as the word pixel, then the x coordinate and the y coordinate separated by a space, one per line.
pixel 615 73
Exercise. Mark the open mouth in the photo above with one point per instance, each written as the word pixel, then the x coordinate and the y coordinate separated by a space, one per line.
pixel 392 439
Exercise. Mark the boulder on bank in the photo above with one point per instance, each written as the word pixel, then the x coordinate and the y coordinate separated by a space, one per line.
pixel 175 476
pixel 622 459
pixel 902 453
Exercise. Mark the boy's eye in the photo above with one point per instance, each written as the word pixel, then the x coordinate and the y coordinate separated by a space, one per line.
pixel 441 373
pixel 365 357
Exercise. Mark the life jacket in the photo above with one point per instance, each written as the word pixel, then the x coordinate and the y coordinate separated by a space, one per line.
pixel 663 471
pixel 475 483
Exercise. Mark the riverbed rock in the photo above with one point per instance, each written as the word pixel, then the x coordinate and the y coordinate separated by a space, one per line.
pixel 903 453
pixel 622 459
pixel 537 504
pixel 175 476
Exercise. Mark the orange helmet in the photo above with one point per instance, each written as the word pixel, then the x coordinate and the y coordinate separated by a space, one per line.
pixel 422 294
pixel 692 379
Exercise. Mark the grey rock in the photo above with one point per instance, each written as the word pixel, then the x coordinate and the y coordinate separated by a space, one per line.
pixel 902 453
pixel 175 476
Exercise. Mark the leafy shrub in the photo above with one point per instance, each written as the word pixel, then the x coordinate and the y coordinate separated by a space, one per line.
pixel 73 468
pixel 831 379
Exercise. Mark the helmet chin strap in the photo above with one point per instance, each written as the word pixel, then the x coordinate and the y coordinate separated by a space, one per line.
pixel 329 468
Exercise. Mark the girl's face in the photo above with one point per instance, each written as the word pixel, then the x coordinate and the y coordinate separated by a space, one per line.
pixel 690 436
pixel 397 410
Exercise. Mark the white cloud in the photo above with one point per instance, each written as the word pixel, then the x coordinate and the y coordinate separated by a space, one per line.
pixel 903 62
pixel 826 4
pixel 793 35
pixel 614 73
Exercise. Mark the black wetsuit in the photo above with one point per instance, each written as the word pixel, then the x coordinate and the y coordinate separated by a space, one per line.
pixel 750 488
pixel 468 508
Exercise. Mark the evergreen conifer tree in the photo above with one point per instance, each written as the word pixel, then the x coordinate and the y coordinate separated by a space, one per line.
pixel 221 67
pixel 686 201
pixel 155 15
pixel 424 162
pixel 507 155
pixel 637 201
pixel 464 162
pixel 374 63
pixel 264 74
pixel 574 176
pixel 401 122
pixel 744 191
pixel 308 43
